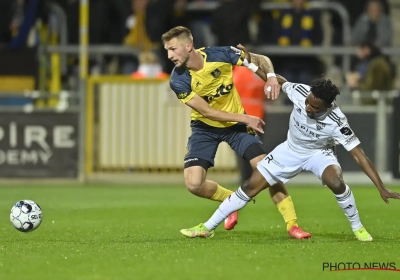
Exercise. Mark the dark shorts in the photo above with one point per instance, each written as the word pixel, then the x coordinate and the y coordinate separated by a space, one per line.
pixel 203 143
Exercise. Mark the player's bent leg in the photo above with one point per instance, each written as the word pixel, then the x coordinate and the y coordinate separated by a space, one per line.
pixel 332 177
pixel 196 183
pixel 195 177
pixel 284 203
pixel 278 193
pixel 255 184
pixel 238 199
pixel 285 206
pixel 233 203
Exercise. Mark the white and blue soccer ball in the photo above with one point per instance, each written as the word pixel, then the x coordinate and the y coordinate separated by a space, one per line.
pixel 26 215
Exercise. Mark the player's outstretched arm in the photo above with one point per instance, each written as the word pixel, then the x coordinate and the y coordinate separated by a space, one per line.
pixel 272 87
pixel 263 62
pixel 263 76
pixel 200 105
pixel 281 80
pixel 369 169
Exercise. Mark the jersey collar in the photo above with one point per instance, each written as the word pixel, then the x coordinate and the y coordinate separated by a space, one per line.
pixel 322 117
pixel 204 61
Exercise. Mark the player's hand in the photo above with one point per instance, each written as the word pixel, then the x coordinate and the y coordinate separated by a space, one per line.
pixel 255 123
pixel 386 194
pixel 272 88
pixel 246 52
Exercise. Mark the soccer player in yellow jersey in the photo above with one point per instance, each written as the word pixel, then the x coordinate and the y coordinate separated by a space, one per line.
pixel 202 79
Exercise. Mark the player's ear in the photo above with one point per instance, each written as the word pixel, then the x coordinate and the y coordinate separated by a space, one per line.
pixel 189 46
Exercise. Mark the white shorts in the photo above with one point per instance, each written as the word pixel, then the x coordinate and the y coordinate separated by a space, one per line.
pixel 282 163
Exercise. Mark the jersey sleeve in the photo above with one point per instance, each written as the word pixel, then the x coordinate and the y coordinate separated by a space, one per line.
pixel 345 136
pixel 235 56
pixel 226 54
pixel 181 86
pixel 294 90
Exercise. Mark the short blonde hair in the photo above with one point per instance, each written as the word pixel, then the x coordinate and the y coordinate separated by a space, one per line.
pixel 178 31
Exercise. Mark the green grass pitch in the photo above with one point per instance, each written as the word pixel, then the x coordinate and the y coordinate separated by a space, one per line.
pixel 105 232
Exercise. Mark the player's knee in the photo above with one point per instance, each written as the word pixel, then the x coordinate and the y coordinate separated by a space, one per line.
pixel 254 185
pixel 337 185
pixel 249 187
pixel 194 185
pixel 195 177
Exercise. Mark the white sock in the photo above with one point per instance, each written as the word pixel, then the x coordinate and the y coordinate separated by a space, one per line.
pixel 232 203
pixel 347 202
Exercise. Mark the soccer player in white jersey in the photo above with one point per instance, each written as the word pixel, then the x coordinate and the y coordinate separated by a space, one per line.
pixel 316 124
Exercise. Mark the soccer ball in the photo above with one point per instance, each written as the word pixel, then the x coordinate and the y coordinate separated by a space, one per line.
pixel 26 215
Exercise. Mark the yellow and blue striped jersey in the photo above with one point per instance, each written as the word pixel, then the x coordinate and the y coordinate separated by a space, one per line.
pixel 214 83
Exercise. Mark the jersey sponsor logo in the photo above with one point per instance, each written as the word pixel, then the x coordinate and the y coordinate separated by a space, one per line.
pixel 350 140
pixel 221 91
pixel 216 73
pixel 346 131
pixel 331 151
pixel 236 50
pixel 250 130
pixel 305 131
pixel 270 158
pixel 320 125
pixel 197 85
pixel 190 159
pixel 182 95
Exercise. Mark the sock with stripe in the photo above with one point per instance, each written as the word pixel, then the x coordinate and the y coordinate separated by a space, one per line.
pixel 234 202
pixel 347 202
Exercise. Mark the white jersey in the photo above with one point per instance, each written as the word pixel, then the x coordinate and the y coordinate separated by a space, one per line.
pixel 306 135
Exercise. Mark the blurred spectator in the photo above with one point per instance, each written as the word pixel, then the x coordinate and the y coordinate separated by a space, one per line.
pixel 106 20
pixel 162 15
pixel 229 22
pixel 251 90
pixel 268 18
pixel 137 35
pixel 6 15
pixel 355 8
pixel 106 26
pixel 373 25
pixel 149 67
pixel 24 16
pixel 374 70
pixel 179 15
pixel 158 13
pixel 200 25
pixel 298 26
